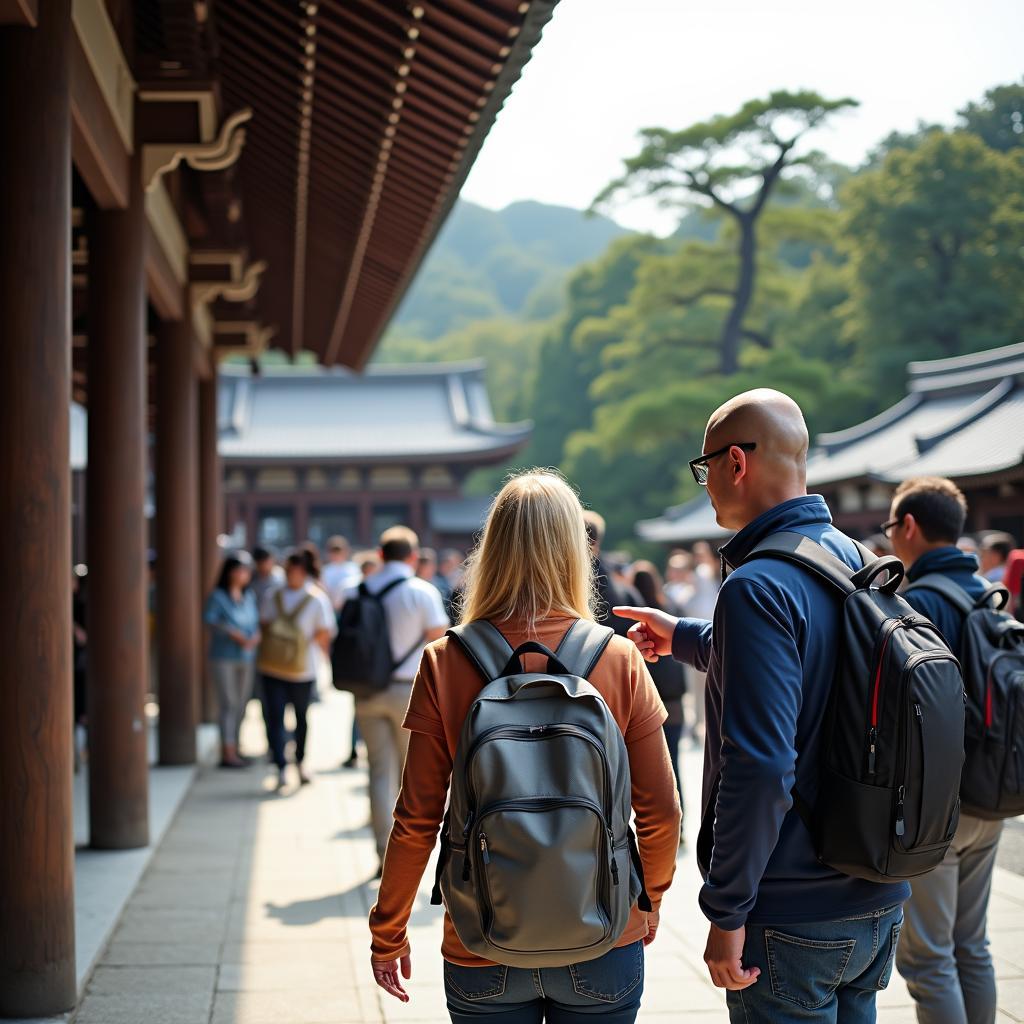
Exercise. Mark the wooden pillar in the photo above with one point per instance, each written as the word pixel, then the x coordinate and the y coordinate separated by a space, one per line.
pixel 177 542
pixel 116 527
pixel 37 922
pixel 211 512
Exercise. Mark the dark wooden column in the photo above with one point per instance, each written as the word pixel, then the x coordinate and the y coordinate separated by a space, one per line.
pixel 116 526
pixel 211 514
pixel 37 922
pixel 177 542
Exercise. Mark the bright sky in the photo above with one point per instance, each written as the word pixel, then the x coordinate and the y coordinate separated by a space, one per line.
pixel 606 68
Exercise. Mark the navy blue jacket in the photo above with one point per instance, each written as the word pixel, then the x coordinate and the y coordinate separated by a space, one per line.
pixel 962 569
pixel 770 655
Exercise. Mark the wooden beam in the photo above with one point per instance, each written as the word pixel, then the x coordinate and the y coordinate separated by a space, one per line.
pixel 97 149
pixel 166 257
pixel 24 13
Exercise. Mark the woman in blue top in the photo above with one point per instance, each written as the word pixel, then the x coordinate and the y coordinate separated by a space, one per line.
pixel 233 618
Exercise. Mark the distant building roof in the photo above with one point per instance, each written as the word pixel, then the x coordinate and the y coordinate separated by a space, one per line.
pixel 388 413
pixel 962 418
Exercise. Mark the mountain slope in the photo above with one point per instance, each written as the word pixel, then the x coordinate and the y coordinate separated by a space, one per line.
pixel 489 263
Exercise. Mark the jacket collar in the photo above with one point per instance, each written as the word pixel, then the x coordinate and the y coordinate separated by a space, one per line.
pixel 943 560
pixel 808 510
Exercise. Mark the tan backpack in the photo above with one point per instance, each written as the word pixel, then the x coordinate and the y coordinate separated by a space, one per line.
pixel 284 646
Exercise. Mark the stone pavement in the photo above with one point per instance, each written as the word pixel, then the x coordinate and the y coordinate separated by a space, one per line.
pixel 253 911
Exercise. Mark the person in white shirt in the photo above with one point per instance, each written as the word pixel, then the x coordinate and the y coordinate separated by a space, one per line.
pixel 707 580
pixel 340 574
pixel 307 606
pixel 416 616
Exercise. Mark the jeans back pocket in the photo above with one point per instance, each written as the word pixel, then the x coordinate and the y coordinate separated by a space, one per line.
pixel 806 971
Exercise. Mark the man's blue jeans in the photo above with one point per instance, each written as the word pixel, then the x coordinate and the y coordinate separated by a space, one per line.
pixel 827 971
pixel 609 988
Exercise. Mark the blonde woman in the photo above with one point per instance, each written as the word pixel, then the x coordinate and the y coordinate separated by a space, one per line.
pixel 531 578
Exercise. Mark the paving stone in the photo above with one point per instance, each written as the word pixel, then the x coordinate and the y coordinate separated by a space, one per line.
pixel 144 981
pixel 184 1007
pixel 158 954
pixel 322 972
pixel 342 1006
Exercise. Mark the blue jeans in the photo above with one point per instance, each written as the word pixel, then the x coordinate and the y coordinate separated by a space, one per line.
pixel 277 695
pixel 609 987
pixel 826 971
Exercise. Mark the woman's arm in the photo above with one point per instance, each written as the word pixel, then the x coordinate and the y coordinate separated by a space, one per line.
pixel 418 815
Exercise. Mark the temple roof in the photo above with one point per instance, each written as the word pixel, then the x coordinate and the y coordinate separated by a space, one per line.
pixel 387 414
pixel 962 418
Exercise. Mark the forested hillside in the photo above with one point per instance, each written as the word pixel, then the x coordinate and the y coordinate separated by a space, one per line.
pixel 787 271
pixel 488 263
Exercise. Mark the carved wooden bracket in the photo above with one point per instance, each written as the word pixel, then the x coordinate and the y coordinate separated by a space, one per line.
pixel 241 289
pixel 222 152
pixel 241 338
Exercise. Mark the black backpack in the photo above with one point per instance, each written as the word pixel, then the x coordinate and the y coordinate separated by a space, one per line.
pixel 992 655
pixel 893 741
pixel 361 658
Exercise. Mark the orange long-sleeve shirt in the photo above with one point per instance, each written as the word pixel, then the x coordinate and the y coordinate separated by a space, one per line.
pixel 442 693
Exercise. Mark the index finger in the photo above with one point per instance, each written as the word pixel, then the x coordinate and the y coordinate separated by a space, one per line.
pixel 626 611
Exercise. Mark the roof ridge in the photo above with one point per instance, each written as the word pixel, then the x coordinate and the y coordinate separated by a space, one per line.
pixel 991 358
pixel 835 440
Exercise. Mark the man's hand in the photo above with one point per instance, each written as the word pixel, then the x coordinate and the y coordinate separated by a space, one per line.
pixel 653 631
pixel 723 956
pixel 385 973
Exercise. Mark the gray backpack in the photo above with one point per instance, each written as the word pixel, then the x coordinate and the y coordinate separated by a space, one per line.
pixel 538 864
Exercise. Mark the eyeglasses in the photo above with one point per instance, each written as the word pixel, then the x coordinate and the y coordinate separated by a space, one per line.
pixel 885 527
pixel 699 466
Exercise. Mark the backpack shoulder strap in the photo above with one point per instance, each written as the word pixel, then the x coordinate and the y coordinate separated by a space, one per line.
pixel 582 646
pixel 485 647
pixel 387 590
pixel 939 583
pixel 795 547
pixel 294 614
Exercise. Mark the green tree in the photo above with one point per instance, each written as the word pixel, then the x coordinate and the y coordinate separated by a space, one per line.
pixel 733 162
pixel 998 118
pixel 934 239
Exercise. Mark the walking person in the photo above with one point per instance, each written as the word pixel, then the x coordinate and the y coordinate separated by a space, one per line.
pixel 267 574
pixel 234 623
pixel 340 573
pixel 944 951
pixel 707 578
pixel 790 938
pixel 415 616
pixel 532 579
pixel 668 674
pixel 610 590
pixel 296 618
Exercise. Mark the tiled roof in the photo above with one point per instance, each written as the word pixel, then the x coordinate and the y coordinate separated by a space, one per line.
pixel 962 418
pixel 385 414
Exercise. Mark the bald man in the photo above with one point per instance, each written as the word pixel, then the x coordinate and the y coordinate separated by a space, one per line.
pixel 790 939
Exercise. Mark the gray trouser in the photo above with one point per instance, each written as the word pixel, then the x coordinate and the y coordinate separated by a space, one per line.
pixel 943 952
pixel 233 680
pixel 380 721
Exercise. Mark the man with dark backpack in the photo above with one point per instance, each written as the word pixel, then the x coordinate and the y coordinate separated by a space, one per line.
pixel 810 812
pixel 383 627
pixel 943 953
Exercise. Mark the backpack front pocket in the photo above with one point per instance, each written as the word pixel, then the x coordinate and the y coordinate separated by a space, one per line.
pixel 521 898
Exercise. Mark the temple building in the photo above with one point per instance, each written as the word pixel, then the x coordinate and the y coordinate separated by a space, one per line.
pixel 961 418
pixel 311 453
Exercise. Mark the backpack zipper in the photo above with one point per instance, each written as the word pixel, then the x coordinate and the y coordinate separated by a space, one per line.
pixel 531 733
pixel 548 803
pixel 903 747
pixel 905 622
